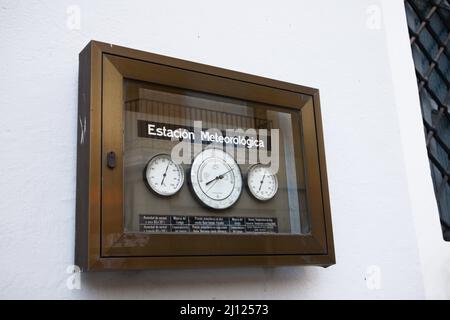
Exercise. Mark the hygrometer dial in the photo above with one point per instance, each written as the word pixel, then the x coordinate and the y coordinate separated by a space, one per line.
pixel 262 183
pixel 216 178
pixel 163 176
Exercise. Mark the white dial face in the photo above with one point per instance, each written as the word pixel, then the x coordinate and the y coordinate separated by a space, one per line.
pixel 164 176
pixel 263 184
pixel 216 178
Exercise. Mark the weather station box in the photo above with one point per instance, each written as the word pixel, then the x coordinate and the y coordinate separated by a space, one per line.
pixel 181 164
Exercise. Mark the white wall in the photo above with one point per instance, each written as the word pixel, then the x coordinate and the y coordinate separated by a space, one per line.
pixel 339 47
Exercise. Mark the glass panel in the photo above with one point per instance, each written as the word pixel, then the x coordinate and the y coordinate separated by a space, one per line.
pixel 197 162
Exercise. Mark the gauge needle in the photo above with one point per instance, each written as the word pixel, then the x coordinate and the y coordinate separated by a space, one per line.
pixel 211 185
pixel 220 176
pixel 262 180
pixel 165 173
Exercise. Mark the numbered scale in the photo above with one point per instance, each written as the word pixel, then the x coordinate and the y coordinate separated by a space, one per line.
pixel 163 176
pixel 262 183
pixel 215 177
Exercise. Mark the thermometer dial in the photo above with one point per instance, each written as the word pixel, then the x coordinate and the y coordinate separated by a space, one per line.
pixel 262 183
pixel 163 176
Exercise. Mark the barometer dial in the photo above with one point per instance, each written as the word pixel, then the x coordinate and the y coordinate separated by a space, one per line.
pixel 216 178
pixel 262 183
pixel 164 176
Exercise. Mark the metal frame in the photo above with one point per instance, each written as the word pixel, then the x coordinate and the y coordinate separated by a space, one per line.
pixel 421 16
pixel 101 243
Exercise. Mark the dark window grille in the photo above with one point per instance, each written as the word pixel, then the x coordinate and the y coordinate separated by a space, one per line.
pixel 429 30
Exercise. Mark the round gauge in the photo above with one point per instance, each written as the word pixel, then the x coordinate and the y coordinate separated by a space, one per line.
pixel 263 184
pixel 164 176
pixel 216 178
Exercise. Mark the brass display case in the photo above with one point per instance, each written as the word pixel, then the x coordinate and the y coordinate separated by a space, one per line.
pixel 181 164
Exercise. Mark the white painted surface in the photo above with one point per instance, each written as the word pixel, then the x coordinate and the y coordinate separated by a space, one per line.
pixel 339 47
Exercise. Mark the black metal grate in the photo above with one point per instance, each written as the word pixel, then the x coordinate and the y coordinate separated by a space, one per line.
pixel 429 30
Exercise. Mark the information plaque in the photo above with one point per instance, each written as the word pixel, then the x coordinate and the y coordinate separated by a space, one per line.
pixel 159 223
